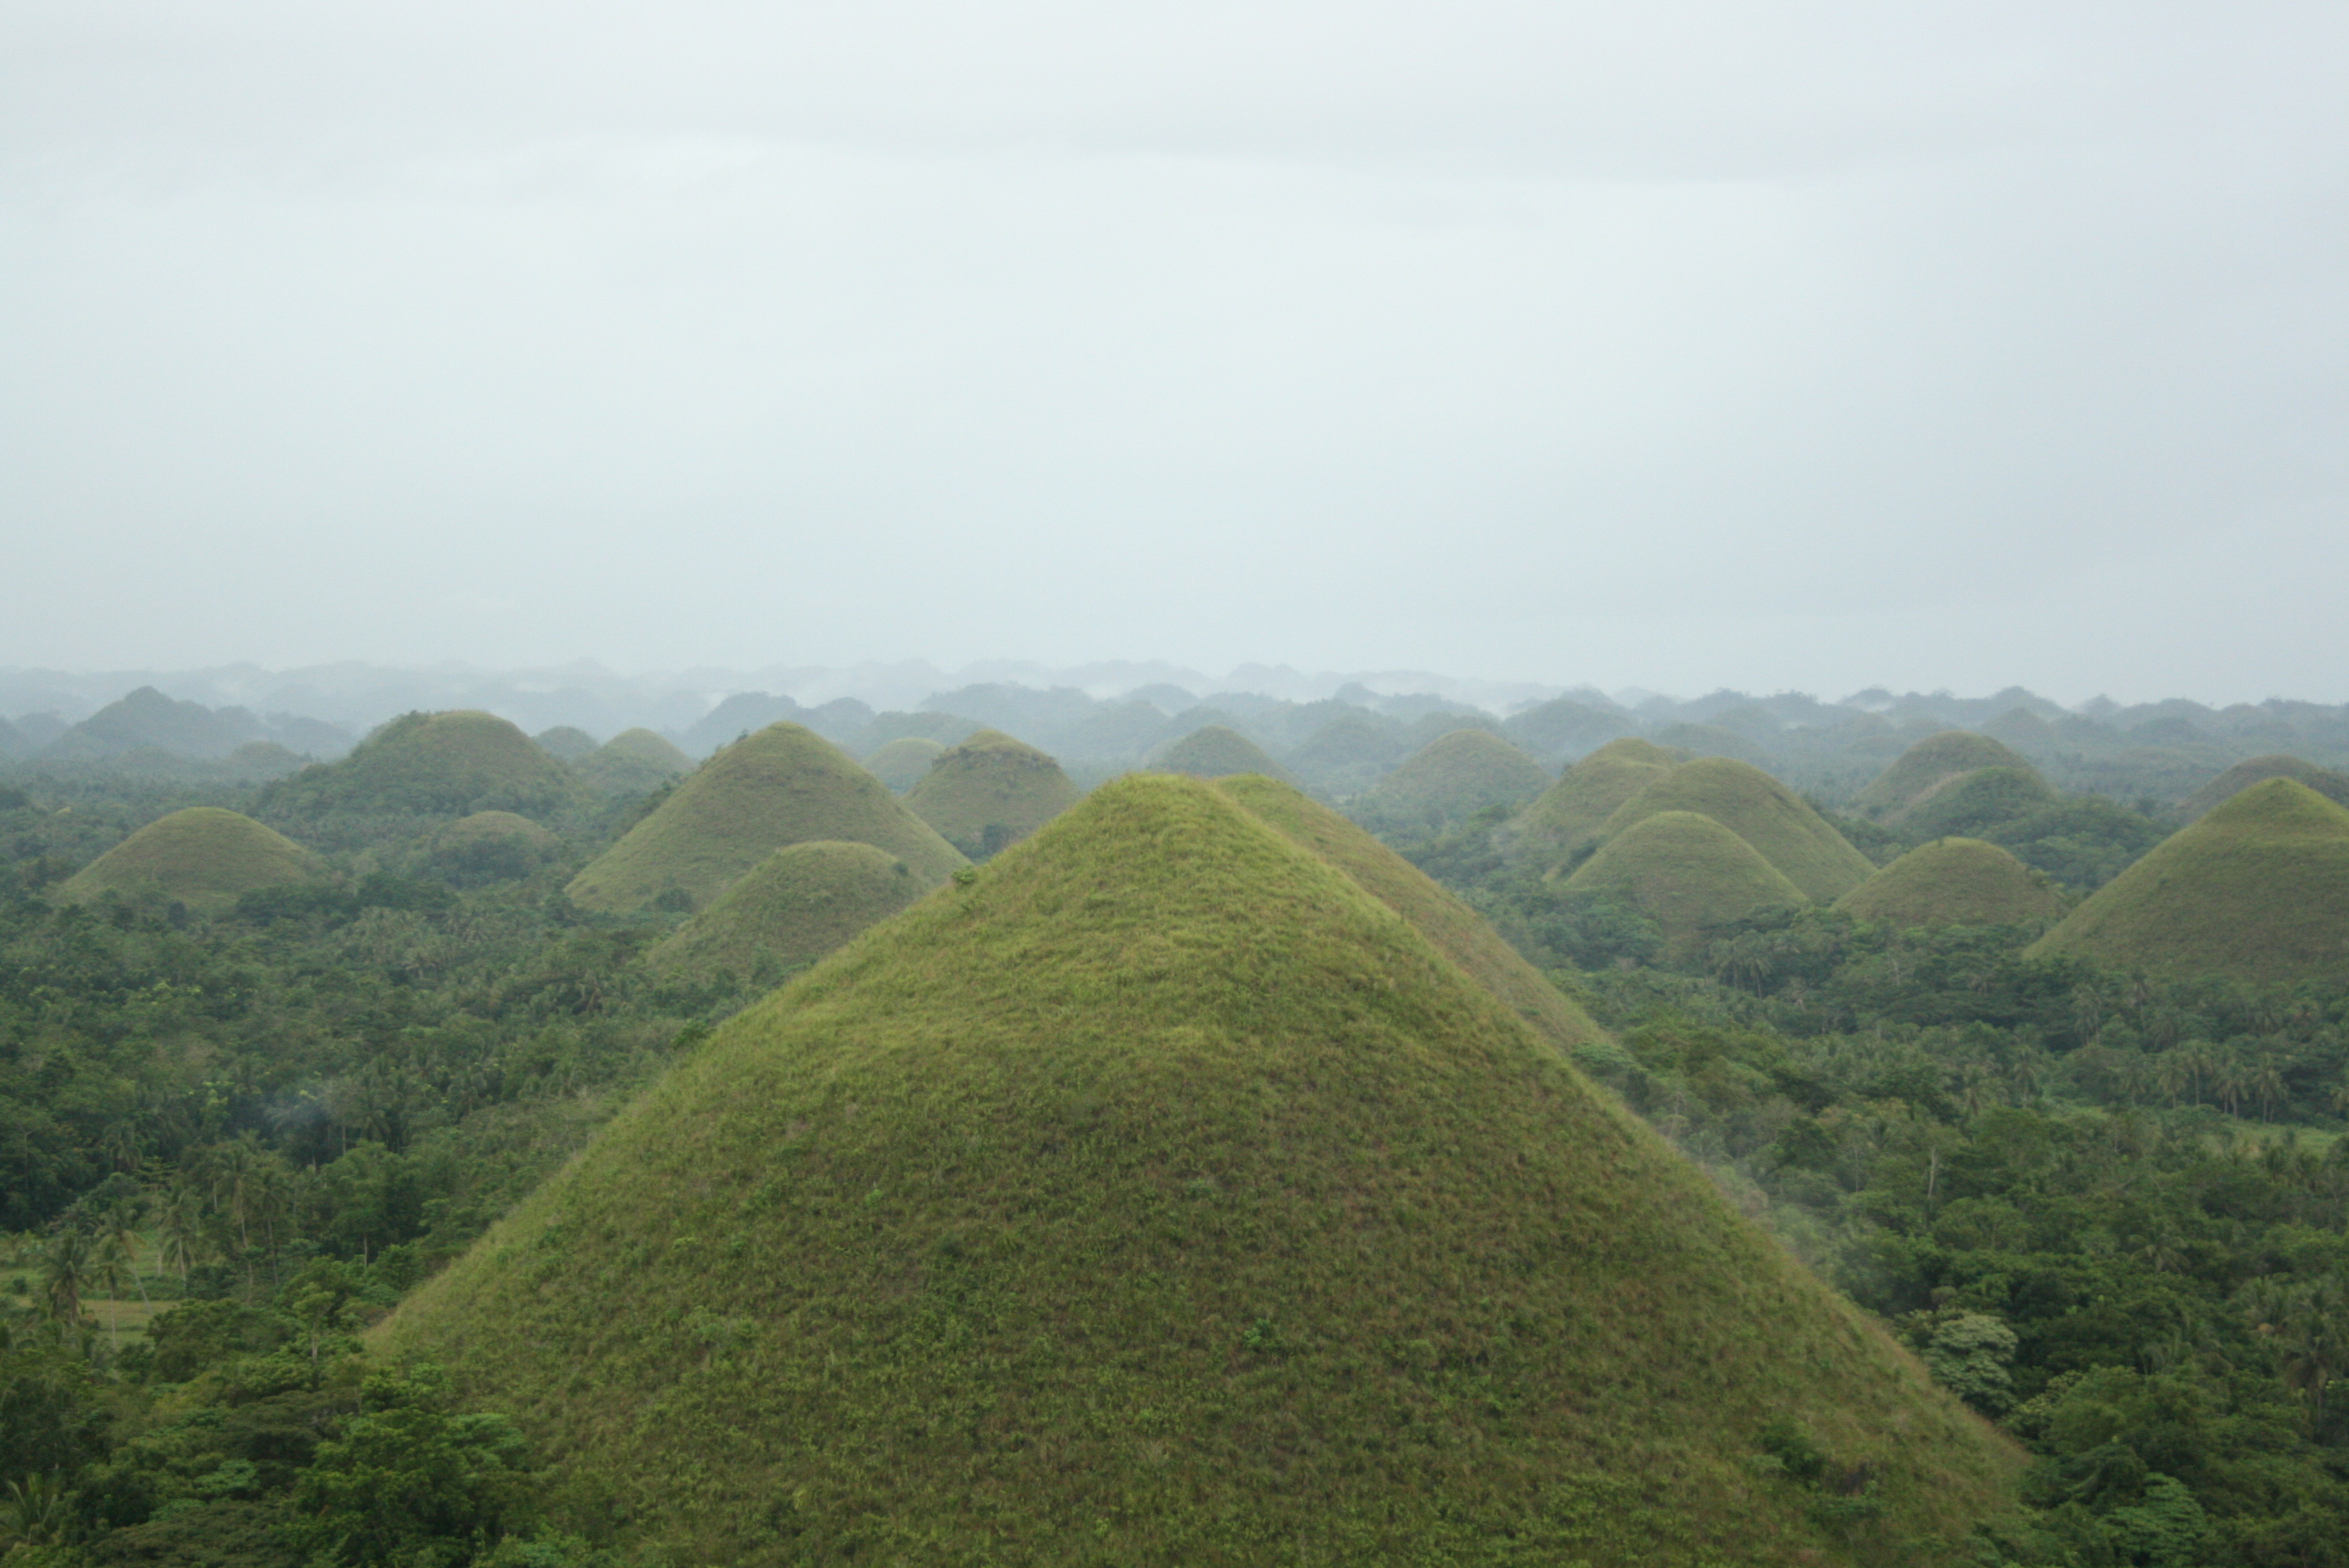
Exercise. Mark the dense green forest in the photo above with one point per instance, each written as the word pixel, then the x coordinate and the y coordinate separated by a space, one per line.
pixel 2107 1209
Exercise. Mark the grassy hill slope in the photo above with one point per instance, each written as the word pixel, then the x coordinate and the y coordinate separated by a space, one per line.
pixel 990 792
pixel 633 762
pixel 1954 881
pixel 1687 872
pixel 1215 752
pixel 1930 761
pixel 1458 932
pixel 796 905
pixel 2258 890
pixel 1764 812
pixel 900 763
pixel 202 857
pixel 785 785
pixel 2326 781
pixel 1452 778
pixel 1164 1198
pixel 431 764
pixel 1965 803
pixel 1568 815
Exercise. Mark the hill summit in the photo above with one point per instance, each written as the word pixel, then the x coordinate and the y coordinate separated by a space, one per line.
pixel 785 785
pixel 204 857
pixel 1449 780
pixel 431 764
pixel 2326 781
pixel 796 905
pixel 1954 881
pixel 1164 1198
pixel 2258 890
pixel 1929 762
pixel 632 762
pixel 1795 840
pixel 990 792
pixel 902 762
pixel 1686 872
pixel 1216 751
pixel 1566 817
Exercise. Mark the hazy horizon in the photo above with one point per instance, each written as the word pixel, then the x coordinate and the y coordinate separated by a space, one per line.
pixel 1800 348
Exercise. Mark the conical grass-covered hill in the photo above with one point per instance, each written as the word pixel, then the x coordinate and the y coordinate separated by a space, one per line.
pixel 1954 881
pixel 565 743
pixel 1215 752
pixel 1566 817
pixel 900 763
pixel 1966 803
pixel 796 905
pixel 785 785
pixel 1686 872
pixel 204 857
pixel 1458 932
pixel 1451 779
pixel 1164 1198
pixel 633 762
pixel 990 792
pixel 2256 890
pixel 1930 761
pixel 431 764
pixel 2331 784
pixel 1788 834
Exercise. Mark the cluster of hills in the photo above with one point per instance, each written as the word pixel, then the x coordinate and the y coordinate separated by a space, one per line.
pixel 1177 1156
pixel 784 843
pixel 1340 743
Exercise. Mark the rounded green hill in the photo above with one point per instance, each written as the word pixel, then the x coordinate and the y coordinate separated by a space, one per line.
pixel 2256 890
pixel 785 785
pixel 990 792
pixel 1954 881
pixel 634 762
pixel 565 743
pixel 203 857
pixel 900 763
pixel 1931 760
pixel 1567 816
pixel 1686 872
pixel 1215 752
pixel 432 764
pixel 1166 1181
pixel 1788 833
pixel 2332 785
pixel 1451 779
pixel 1966 803
pixel 796 905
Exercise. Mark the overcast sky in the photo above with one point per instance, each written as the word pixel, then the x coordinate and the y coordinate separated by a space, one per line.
pixel 1683 344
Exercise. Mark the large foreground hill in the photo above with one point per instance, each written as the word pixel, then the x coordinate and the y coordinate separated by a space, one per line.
pixel 1164 1198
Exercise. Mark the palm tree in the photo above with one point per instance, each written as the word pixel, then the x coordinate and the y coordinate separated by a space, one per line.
pixel 37 1511
pixel 180 1227
pixel 69 1270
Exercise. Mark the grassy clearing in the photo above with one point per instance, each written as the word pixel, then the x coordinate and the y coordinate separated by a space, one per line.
pixel 990 792
pixel 202 857
pixel 785 785
pixel 1955 881
pixel 1759 810
pixel 1929 762
pixel 1164 1197
pixel 2258 890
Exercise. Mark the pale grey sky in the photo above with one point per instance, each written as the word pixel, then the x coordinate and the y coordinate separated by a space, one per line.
pixel 1683 344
